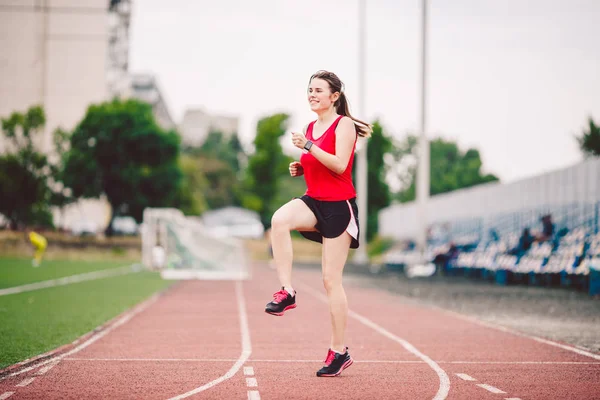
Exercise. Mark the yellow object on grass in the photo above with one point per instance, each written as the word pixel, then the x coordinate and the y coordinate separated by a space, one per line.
pixel 40 243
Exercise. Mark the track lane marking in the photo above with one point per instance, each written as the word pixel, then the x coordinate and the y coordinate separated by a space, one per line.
pixel 253 395
pixel 96 336
pixel 25 382
pixel 444 385
pixel 574 349
pixel 246 347
pixel 466 377
pixel 200 360
pixel 491 389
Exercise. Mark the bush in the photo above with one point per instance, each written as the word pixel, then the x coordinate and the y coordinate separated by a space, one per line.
pixel 379 245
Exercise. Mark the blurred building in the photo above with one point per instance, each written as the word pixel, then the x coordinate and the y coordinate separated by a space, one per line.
pixel 144 87
pixel 53 54
pixel 117 63
pixel 66 55
pixel 197 124
pixel 63 55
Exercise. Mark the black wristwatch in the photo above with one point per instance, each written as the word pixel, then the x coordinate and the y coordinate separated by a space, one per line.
pixel 308 145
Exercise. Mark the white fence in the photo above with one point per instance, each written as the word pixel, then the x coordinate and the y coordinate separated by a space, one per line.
pixel 572 186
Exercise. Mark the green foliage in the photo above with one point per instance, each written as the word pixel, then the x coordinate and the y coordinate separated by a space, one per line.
pixel 218 161
pixel 228 150
pixel 191 199
pixel 379 144
pixel 379 245
pixel 21 190
pixel 119 150
pixel 450 168
pixel 266 167
pixel 29 182
pixel 379 192
pixel 589 141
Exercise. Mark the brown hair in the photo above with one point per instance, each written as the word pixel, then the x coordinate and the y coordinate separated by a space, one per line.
pixel 341 105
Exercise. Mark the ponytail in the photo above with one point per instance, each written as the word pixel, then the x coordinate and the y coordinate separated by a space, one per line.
pixel 363 129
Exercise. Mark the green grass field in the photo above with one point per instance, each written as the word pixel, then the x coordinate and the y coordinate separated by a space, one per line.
pixel 18 271
pixel 35 322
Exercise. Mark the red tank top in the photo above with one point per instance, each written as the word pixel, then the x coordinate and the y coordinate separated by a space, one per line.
pixel 322 183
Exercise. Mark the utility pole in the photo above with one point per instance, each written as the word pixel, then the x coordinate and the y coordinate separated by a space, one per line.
pixel 360 256
pixel 423 165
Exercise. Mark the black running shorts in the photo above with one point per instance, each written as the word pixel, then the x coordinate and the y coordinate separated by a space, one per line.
pixel 333 219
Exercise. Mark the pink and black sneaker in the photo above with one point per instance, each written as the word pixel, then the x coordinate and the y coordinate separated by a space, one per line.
pixel 335 363
pixel 282 301
pixel 330 356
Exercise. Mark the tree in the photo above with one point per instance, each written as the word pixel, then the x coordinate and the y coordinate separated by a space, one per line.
pixel 119 150
pixel 379 145
pixel 589 141
pixel 266 167
pixel 450 168
pixel 219 161
pixel 29 182
pixel 191 199
pixel 21 191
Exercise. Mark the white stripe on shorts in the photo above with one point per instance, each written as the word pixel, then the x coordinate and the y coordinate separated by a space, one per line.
pixel 352 228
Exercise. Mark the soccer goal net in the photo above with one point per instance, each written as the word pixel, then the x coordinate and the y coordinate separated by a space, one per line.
pixel 181 248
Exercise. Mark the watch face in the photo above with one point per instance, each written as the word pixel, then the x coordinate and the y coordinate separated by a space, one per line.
pixel 308 145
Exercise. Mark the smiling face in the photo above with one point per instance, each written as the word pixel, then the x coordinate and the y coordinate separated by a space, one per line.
pixel 320 97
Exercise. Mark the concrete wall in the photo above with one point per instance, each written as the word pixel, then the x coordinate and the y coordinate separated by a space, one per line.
pixel 578 184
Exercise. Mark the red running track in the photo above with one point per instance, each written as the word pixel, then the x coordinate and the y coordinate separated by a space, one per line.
pixel 212 340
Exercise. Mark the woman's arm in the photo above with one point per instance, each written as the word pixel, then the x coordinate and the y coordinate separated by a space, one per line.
pixel 345 137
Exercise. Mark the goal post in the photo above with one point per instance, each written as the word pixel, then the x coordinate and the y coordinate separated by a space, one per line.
pixel 180 247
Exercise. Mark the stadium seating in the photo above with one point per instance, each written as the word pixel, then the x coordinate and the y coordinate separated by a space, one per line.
pixel 570 258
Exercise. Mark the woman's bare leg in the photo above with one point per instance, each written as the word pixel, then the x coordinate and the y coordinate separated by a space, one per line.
pixel 294 215
pixel 335 253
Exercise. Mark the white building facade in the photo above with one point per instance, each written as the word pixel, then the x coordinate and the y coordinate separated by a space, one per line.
pixel 197 124
pixel 53 53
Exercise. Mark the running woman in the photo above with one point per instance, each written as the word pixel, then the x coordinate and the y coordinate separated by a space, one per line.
pixel 327 212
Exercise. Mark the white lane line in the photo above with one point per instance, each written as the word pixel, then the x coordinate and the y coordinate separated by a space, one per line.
pixel 248 371
pixel 524 362
pixel 444 387
pixel 466 377
pixel 72 279
pixel 246 347
pixel 25 382
pixel 508 330
pixel 6 395
pixel 253 395
pixel 125 318
pixel 490 388
pixel 45 369
pixel 201 360
pixel 512 398
pixel 355 361
pixel 154 359
pixel 251 382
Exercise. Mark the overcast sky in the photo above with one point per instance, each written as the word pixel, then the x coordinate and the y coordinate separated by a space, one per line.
pixel 515 79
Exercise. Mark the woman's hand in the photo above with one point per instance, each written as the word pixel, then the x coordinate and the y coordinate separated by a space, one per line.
pixel 296 169
pixel 299 140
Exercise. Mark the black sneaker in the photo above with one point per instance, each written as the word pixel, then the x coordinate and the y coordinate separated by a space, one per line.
pixel 330 356
pixel 337 363
pixel 282 301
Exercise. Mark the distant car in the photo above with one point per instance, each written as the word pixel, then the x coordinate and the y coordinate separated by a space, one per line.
pixel 233 222
pixel 125 226
pixel 84 227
